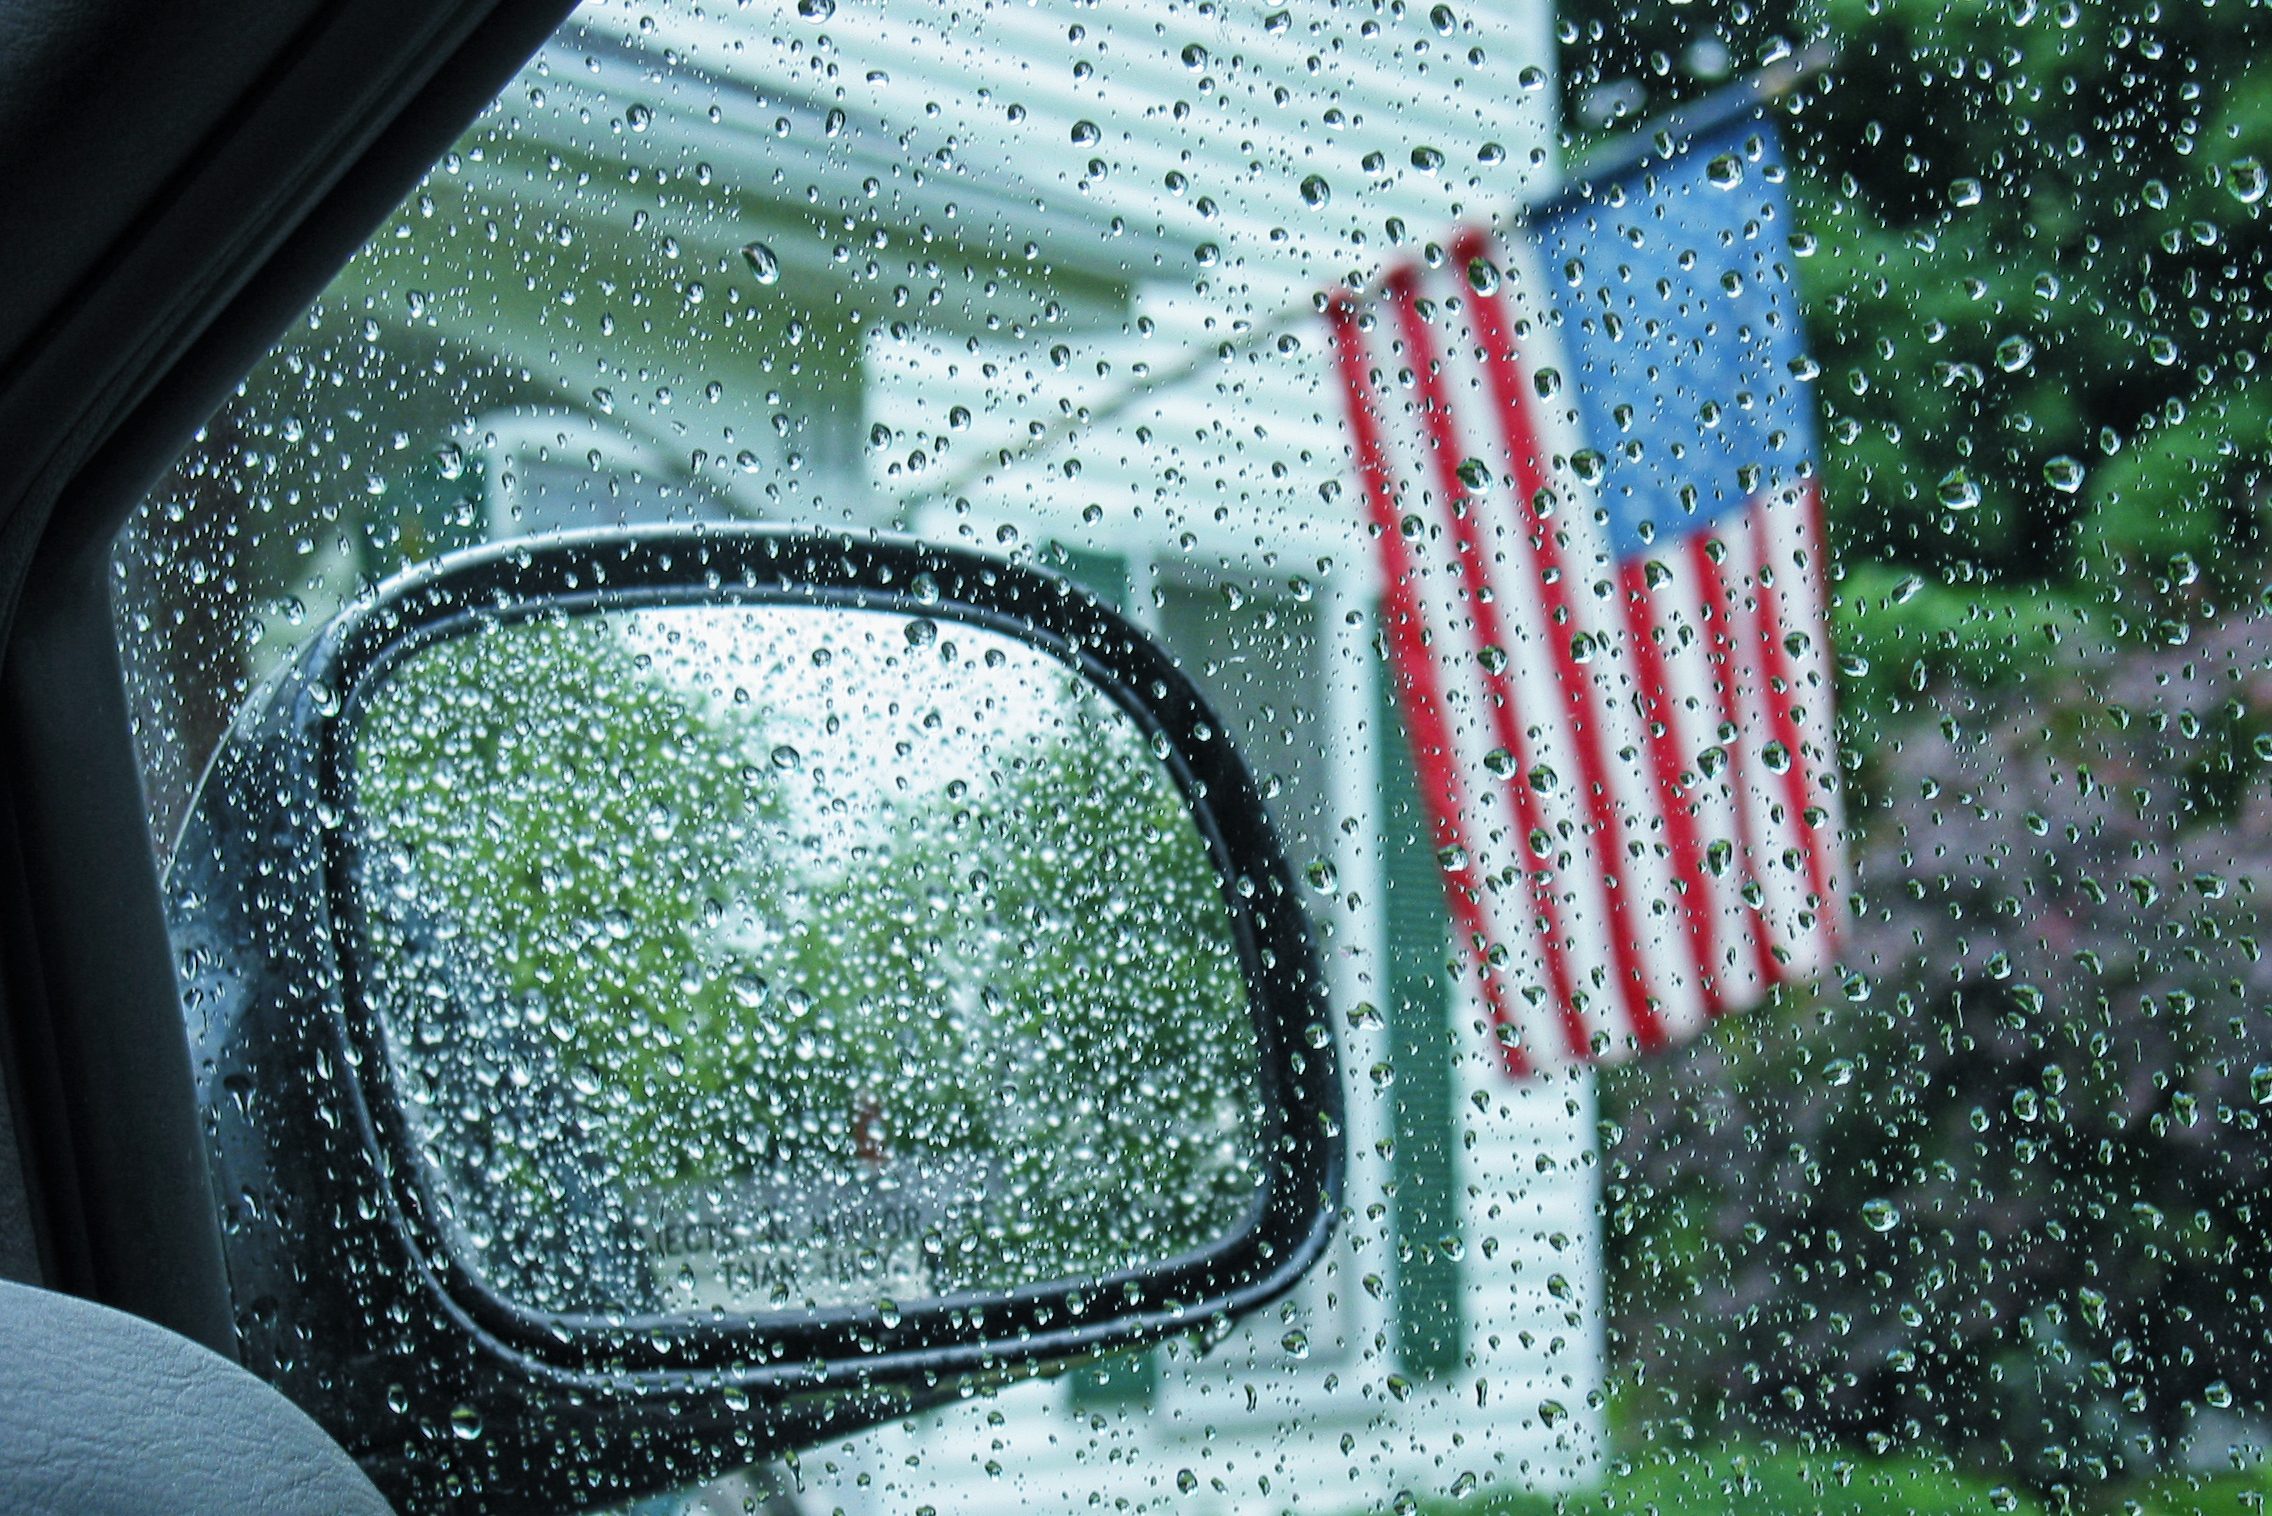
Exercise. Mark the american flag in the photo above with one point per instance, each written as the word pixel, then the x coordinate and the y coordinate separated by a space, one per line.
pixel 1585 452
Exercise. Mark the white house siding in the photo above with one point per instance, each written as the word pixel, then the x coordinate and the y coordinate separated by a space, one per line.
pixel 1235 479
pixel 954 277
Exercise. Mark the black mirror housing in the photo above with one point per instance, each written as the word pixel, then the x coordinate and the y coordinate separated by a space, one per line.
pixel 350 1293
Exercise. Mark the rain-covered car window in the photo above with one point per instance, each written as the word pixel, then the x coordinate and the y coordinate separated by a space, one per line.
pixel 1760 658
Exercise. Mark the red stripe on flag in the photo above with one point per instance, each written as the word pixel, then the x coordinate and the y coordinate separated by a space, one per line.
pixel 1818 552
pixel 1818 562
pixel 1782 695
pixel 1528 469
pixel 1416 674
pixel 1461 508
pixel 1658 725
pixel 1722 611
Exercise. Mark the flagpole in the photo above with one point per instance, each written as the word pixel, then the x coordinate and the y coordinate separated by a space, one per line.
pixel 1653 141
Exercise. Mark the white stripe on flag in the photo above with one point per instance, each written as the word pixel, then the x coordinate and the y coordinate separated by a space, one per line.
pixel 1776 866
pixel 1500 794
pixel 1442 782
pixel 1569 582
pixel 1672 616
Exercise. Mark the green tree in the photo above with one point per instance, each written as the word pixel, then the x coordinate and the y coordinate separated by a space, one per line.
pixel 1056 915
pixel 732 962
pixel 551 836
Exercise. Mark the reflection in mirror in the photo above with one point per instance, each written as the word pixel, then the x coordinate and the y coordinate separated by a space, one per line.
pixel 763 959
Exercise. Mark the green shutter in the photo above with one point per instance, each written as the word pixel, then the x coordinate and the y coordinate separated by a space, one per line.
pixel 1104 575
pixel 1430 1311
pixel 1126 1379
pixel 1122 1382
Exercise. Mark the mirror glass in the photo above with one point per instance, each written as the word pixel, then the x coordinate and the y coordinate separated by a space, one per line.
pixel 769 959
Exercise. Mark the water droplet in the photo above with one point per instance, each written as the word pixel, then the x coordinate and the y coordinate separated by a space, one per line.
pixel 1880 1215
pixel 1725 171
pixel 1316 192
pixel 816 10
pixel 2246 179
pixel 2064 474
pixel 638 117
pixel 465 1424
pixel 1087 132
pixel 762 263
pixel 1957 491
pixel 1965 192
pixel 1427 159
pixel 1322 875
pixel 2013 353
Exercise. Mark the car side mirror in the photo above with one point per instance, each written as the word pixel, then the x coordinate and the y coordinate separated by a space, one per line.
pixel 665 998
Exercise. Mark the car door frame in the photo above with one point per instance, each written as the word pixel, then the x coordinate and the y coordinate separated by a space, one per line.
pixel 257 153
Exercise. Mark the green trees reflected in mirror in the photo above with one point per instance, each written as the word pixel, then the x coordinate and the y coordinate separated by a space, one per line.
pixel 768 959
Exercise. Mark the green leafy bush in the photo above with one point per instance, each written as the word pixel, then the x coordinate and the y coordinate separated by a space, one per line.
pixel 2004 1191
